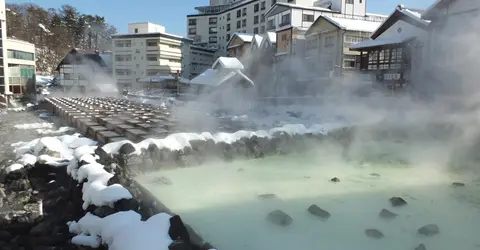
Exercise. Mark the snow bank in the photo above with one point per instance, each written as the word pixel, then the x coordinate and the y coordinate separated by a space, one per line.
pixel 179 141
pixel 37 125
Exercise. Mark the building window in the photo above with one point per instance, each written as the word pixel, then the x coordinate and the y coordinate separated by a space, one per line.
pixel 228 27
pixel 238 24
pixel 244 11
pixel 256 7
pixel 212 39
pixel 212 30
pixel 136 30
pixel 192 21
pixel 285 19
pixel 212 21
pixel 329 41
pixel 262 18
pixel 255 20
pixel 349 1
pixel 349 61
pixel 255 30
pixel 228 17
pixel 271 24
pixel 350 40
pixel 152 43
pixel 262 29
pixel 123 72
pixel 21 55
pixel 239 13
pixel 244 22
pixel 262 5
pixel 152 58
pixel 228 37
pixel 192 31
pixel 308 18
pixel 123 58
pixel 122 44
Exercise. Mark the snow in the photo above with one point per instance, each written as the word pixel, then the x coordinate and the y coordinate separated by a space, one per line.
pixel 179 141
pixel 227 63
pixel 244 37
pixel 272 36
pixel 60 130
pixel 215 78
pixel 13 167
pixel 353 25
pixel 415 15
pixel 381 42
pixel 258 39
pixel 34 125
pixel 44 29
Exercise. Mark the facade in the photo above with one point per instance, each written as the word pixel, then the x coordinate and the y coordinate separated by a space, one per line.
pixel 138 55
pixel 239 45
pixel 328 41
pixel 4 86
pixel 394 55
pixel 452 35
pixel 81 70
pixel 196 59
pixel 20 62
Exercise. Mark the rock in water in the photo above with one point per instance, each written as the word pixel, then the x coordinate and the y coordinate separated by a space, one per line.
pixel 429 230
pixel 317 211
pixel 421 247
pixel 279 217
pixel 374 233
pixel 126 149
pixel 266 196
pixel 335 179
pixel 397 202
pixel 458 184
pixel 386 214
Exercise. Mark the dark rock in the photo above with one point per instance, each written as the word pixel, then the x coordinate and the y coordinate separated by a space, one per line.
pixel 179 245
pixel 421 247
pixel 207 246
pixel 429 230
pixel 397 201
pixel 126 149
pixel 5 236
pixel 42 229
pixel 375 175
pixel 103 211
pixel 335 179
pixel 458 184
pixel 374 233
pixel 177 230
pixel 19 185
pixel 162 180
pixel 15 175
pixel 317 211
pixel 386 214
pixel 267 196
pixel 279 217
pixel 126 204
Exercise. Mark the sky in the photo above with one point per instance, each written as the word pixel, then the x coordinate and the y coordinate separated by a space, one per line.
pixel 172 14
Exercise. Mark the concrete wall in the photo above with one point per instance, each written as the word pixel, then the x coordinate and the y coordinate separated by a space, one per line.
pixel 146 27
pixel 22 46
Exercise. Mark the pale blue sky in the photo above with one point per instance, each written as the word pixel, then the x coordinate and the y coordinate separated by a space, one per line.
pixel 172 14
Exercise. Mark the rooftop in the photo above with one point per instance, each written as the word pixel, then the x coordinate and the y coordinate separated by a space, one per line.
pixel 353 25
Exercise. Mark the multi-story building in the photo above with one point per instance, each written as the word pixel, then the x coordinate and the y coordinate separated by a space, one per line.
pixel 145 51
pixel 196 59
pixel 4 87
pixel 20 62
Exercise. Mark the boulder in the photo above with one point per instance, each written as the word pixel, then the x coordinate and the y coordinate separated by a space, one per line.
pixel 421 247
pixel 429 230
pixel 279 217
pixel 103 211
pixel 317 211
pixel 42 229
pixel 397 202
pixel 374 233
pixel 335 180
pixel 126 149
pixel 386 214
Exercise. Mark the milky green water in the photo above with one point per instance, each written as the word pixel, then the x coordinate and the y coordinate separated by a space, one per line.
pixel 220 201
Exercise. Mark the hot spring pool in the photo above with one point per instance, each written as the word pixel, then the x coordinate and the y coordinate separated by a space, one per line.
pixel 220 200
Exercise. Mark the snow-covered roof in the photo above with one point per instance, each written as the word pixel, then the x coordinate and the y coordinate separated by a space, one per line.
pixel 246 38
pixel 160 78
pixel 227 63
pixel 415 14
pixel 214 78
pixel 297 6
pixel 400 11
pixel 258 40
pixel 380 42
pixel 272 36
pixel 352 24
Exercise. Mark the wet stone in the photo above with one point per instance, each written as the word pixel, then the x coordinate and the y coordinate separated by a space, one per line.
pixel 374 233
pixel 317 211
pixel 386 214
pixel 279 217
pixel 458 184
pixel 429 230
pixel 267 196
pixel 397 202
pixel 421 247
pixel 335 180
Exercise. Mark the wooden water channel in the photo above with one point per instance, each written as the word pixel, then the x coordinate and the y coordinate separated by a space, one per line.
pixel 109 119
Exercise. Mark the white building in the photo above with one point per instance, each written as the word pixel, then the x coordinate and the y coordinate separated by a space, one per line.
pixel 196 59
pixel 4 86
pixel 149 53
pixel 20 61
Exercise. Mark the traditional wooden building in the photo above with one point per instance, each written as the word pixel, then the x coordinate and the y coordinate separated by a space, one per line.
pixel 395 49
